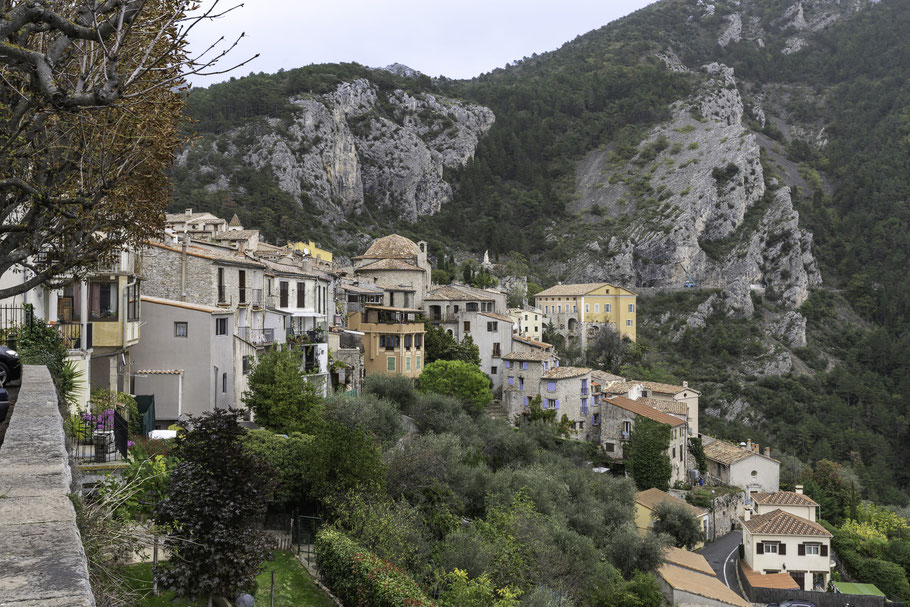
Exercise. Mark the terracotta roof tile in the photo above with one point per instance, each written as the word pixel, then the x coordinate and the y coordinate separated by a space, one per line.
pixel 672 407
pixel 454 293
pixel 534 355
pixel 699 584
pixel 666 388
pixel 778 522
pixel 389 264
pixel 531 342
pixel 687 559
pixel 781 581
pixel 498 317
pixel 649 498
pixel 728 454
pixel 573 289
pixel 644 410
pixel 186 305
pixel 565 372
pixel 784 498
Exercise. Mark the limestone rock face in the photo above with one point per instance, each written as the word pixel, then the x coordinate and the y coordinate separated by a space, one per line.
pixel 357 144
pixel 696 204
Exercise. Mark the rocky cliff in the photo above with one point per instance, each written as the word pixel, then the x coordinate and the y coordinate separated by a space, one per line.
pixel 341 151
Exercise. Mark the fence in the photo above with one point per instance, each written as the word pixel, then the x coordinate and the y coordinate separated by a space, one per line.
pixel 98 438
pixel 11 319
pixel 820 599
pixel 304 535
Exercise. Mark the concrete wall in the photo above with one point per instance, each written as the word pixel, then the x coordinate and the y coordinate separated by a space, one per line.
pixel 43 563
pixel 806 512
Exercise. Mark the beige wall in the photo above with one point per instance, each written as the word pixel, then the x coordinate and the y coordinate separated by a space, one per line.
pixel 806 512
pixel 406 361
pixel 756 473
pixel 775 562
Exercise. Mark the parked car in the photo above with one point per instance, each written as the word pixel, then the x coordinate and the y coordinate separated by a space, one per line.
pixel 4 404
pixel 792 603
pixel 10 367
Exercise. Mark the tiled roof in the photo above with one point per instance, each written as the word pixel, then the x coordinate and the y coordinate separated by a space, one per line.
pixel 673 407
pixel 204 253
pixel 644 410
pixel 194 218
pixel 454 293
pixel 603 378
pixel 666 388
pixel 498 317
pixel 780 581
pixel 565 372
pixel 531 342
pixel 535 355
pixel 389 264
pixel 186 305
pixel 700 584
pixel 392 246
pixel 784 498
pixel 570 290
pixel 235 235
pixel 361 289
pixel 687 559
pixel 778 522
pixel 728 454
pixel 649 498
pixel 235 222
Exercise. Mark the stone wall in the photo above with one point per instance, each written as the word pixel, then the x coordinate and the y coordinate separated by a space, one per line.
pixel 42 562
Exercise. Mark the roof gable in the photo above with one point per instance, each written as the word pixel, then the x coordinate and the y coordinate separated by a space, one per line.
pixel 779 522
pixel 643 410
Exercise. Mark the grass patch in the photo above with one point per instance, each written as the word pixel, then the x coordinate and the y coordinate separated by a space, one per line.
pixel 293 586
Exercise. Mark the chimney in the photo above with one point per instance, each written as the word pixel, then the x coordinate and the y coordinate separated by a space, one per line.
pixel 747 513
pixel 685 384
pixel 189 212
pixel 767 451
pixel 755 448
pixel 748 444
pixel 241 247
pixel 799 489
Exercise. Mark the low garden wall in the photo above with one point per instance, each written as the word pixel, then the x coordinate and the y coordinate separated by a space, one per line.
pixel 41 557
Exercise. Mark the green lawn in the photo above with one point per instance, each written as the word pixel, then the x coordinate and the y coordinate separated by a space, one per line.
pixel 293 586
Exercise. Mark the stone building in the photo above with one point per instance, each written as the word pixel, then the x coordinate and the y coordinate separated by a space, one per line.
pixel 742 466
pixel 400 267
pixel 522 371
pixel 619 415
pixel 194 224
pixel 567 390
pixel 680 401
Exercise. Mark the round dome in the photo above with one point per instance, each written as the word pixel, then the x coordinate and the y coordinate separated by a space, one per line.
pixel 392 247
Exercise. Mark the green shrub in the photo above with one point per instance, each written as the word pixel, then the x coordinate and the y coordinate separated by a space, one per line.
pixel 360 578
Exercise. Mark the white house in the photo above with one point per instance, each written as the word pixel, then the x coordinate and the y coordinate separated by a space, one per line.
pixel 744 467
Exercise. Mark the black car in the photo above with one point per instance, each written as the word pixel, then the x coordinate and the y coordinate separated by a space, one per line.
pixel 10 367
pixel 792 603
pixel 4 404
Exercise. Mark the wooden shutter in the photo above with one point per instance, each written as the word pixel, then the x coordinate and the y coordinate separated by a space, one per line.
pixel 824 550
pixel 801 550
pixel 759 548
pixel 782 548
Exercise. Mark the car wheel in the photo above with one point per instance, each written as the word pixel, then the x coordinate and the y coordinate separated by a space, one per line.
pixel 4 373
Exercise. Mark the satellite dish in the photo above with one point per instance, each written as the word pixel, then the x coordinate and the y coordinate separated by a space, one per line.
pixel 306 251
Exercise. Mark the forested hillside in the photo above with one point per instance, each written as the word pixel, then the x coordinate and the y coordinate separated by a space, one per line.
pixel 632 154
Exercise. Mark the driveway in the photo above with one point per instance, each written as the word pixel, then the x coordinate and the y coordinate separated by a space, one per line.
pixel 722 555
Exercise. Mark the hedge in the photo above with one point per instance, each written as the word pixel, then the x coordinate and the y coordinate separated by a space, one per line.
pixel 888 577
pixel 359 578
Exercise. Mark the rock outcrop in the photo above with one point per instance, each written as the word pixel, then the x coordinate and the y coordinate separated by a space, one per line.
pixel 341 150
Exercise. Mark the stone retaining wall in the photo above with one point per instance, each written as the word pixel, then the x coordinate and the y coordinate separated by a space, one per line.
pixel 42 562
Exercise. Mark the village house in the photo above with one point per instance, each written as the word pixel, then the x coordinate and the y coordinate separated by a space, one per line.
pixel 185 359
pixel 619 415
pixel 687 579
pixel 400 267
pixel 680 401
pixel 646 501
pixel 741 466
pixel 794 502
pixel 195 224
pixel 579 311
pixel 527 322
pixel 392 340
pixel 522 370
pixel 567 390
pixel 779 541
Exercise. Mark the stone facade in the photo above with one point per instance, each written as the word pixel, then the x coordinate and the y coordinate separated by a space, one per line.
pixel 400 267
pixel 568 391
pixel 521 379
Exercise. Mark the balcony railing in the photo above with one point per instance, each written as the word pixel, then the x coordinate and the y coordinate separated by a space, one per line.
pixel 257 337
pixel 248 296
pixel 224 298
pixel 71 335
pixel 443 317
pixel 584 391
pixel 306 337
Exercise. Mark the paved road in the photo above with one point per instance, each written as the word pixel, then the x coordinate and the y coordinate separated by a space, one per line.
pixel 721 554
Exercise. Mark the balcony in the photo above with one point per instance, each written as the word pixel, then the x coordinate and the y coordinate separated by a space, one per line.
pixel 306 337
pixel 584 391
pixel 224 299
pixel 625 435
pixel 250 297
pixel 257 337
pixel 71 335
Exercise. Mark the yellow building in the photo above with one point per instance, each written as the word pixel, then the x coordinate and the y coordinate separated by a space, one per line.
pixel 576 307
pixel 647 500
pixel 310 248
pixel 392 340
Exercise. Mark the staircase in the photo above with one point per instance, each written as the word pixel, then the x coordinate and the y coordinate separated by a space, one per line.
pixel 497 410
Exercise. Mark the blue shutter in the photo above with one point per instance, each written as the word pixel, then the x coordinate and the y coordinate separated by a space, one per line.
pixel 511 381
pixel 557 404
pixel 524 366
pixel 508 365
pixel 527 401
pixel 551 386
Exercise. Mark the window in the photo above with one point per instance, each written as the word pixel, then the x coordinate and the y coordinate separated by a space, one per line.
pixel 608 308
pixel 574 308
pixel 587 307
pixel 102 302
pixel 674 453
pixel 471 306
pixel 301 294
pixel 813 549
pixel 559 308
pixel 527 401
pixel 494 370
pixel 132 302
pixel 222 292
pixel 507 364
pixel 584 406
pixel 524 366
pixel 551 403
pixel 407 341
pixel 497 352
pixel 390 363
pixel 221 326
pixel 551 386
pixel 418 340
pixel 609 447
pixel 246 365
pixel 417 366
pixel 631 308
pixel 629 323
pixel 181 329
pixel 596 308
pixel 754 473
pixel 492 327
pixel 771 548
pixel 223 383
pixel 526 317
pixel 521 383
pixel 467 326
pixel 407 363
pixel 283 294
pixel 242 285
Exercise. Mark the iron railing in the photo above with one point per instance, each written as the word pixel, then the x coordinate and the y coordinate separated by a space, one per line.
pixel 257 337
pixel 12 319
pixel 71 335
pixel 99 437
pixel 224 299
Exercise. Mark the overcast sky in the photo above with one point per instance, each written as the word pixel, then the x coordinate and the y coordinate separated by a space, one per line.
pixel 453 38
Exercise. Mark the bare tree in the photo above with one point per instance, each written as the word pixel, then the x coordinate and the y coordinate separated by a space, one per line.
pixel 91 99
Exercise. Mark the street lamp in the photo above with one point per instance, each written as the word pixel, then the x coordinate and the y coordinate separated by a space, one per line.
pixel 713 517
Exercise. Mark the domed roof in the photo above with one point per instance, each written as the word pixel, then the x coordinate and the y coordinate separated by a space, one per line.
pixel 391 247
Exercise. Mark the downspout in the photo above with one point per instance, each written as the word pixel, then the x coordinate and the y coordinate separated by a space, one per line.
pixel 179 395
pixel 186 238
pixel 125 312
